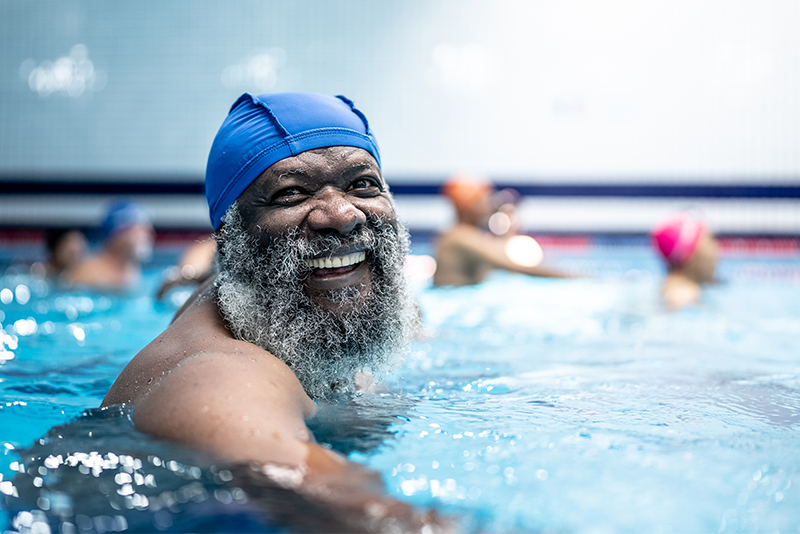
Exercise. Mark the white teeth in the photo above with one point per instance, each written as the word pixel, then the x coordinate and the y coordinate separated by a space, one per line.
pixel 337 261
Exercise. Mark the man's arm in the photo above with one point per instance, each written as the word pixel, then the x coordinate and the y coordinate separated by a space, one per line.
pixel 249 409
pixel 493 250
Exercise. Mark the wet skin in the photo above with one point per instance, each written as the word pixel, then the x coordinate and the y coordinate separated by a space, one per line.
pixel 197 384
pixel 682 286
pixel 325 191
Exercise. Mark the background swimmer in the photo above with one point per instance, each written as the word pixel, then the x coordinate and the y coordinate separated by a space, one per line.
pixel 127 242
pixel 484 237
pixel 690 252
pixel 66 248
pixel 196 264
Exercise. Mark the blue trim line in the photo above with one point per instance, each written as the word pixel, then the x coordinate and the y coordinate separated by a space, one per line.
pixel 154 185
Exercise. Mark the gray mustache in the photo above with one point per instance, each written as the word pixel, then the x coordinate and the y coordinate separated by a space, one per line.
pixel 366 237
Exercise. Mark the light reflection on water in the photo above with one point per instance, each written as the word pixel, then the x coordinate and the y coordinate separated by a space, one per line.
pixel 530 405
pixel 608 413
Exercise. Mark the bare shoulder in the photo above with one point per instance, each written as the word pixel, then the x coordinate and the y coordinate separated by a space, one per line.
pixel 243 407
pixel 198 347
pixel 679 292
pixel 93 271
pixel 196 384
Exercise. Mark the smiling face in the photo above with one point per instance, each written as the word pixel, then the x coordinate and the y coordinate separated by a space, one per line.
pixel 311 268
pixel 323 192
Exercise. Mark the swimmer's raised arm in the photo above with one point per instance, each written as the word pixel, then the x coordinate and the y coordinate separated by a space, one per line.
pixel 498 252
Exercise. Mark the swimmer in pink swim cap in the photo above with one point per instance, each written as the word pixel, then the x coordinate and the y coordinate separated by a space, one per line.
pixel 690 252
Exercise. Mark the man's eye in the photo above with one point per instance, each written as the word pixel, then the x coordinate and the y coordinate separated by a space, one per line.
pixel 365 184
pixel 290 194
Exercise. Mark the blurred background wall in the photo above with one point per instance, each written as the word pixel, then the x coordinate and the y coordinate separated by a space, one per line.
pixel 605 114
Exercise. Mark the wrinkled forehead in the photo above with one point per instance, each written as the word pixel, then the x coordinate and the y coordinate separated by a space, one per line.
pixel 323 163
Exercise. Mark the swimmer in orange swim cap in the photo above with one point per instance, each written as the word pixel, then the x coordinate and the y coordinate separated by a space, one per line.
pixel 484 237
pixel 690 252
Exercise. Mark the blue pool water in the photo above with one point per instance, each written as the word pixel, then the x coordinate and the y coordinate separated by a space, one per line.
pixel 529 405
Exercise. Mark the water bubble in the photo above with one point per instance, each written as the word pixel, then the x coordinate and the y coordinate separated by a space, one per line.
pixel 6 296
pixel 223 496
pixel 22 293
pixel 52 462
pixel 23 519
pixel 140 501
pixel 408 487
pixel 77 331
pixel 7 487
pixel 25 327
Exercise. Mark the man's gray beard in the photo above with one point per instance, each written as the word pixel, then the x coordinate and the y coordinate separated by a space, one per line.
pixel 262 298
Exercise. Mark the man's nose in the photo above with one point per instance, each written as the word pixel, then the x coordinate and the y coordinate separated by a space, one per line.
pixel 333 211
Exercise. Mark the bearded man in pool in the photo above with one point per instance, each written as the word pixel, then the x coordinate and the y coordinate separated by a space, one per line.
pixel 310 291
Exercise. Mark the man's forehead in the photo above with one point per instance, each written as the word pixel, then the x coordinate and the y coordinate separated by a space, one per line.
pixel 339 159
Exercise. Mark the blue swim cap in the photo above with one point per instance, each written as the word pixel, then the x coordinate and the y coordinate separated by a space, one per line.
pixel 262 130
pixel 121 215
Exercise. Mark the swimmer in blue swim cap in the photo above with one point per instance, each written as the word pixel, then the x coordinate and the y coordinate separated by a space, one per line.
pixel 127 238
pixel 310 293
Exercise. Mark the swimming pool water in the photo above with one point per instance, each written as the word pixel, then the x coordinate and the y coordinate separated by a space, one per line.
pixel 528 405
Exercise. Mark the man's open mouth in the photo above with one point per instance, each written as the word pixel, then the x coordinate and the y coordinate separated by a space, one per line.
pixel 336 262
